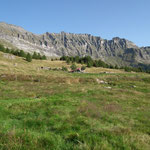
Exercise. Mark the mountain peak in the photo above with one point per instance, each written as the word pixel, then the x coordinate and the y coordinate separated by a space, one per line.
pixel 11 27
pixel 116 51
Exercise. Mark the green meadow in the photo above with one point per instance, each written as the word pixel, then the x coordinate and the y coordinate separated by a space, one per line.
pixel 58 110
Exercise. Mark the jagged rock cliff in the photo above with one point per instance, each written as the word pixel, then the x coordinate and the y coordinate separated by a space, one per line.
pixel 116 51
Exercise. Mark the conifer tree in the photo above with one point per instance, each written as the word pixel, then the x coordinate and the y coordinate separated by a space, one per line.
pixel 2 48
pixel 38 56
pixel 29 57
pixel 22 53
pixel 44 57
pixel 7 50
pixel 35 56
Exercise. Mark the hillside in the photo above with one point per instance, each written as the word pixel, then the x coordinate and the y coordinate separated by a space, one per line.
pixel 54 109
pixel 116 51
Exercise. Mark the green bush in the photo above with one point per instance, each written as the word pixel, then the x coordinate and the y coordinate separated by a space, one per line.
pixel 64 68
pixel 127 69
pixel 73 67
pixel 89 64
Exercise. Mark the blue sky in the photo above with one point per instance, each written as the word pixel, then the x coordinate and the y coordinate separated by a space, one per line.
pixel 128 19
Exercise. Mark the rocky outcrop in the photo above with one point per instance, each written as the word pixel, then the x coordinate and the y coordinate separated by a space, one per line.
pixel 116 51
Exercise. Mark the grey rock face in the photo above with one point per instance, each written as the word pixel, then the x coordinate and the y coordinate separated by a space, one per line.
pixel 116 51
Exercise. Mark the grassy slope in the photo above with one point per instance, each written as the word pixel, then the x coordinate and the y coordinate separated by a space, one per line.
pixel 42 109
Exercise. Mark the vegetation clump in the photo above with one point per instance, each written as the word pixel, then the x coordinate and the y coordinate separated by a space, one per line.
pixel 64 68
pixel 89 62
pixel 73 66
pixel 83 68
pixel 28 57
pixel 21 53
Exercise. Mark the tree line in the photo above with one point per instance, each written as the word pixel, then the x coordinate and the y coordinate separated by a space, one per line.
pixel 85 60
pixel 89 62
pixel 28 57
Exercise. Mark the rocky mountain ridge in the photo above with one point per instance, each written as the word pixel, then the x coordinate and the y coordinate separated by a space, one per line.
pixel 116 51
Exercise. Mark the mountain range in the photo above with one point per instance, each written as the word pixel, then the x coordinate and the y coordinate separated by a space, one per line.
pixel 118 51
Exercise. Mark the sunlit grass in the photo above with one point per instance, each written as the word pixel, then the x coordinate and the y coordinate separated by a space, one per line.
pixel 42 109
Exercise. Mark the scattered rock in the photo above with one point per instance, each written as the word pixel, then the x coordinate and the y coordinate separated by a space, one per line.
pixel 133 86
pixel 45 68
pixel 108 87
pixel 106 72
pixel 3 76
pixel 100 81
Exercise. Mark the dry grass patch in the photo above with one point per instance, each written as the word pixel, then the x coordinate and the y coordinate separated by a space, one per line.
pixel 112 107
pixel 89 109
pixel 101 70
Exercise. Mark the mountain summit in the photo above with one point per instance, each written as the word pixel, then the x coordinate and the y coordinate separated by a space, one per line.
pixel 116 51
